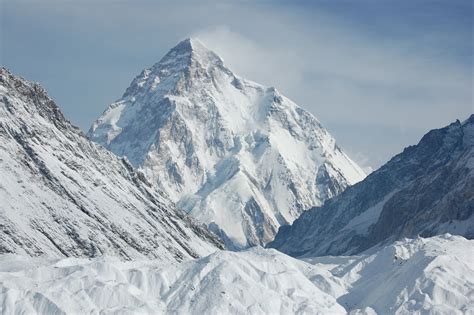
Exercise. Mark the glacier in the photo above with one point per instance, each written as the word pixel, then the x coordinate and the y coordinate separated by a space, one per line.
pixel 412 276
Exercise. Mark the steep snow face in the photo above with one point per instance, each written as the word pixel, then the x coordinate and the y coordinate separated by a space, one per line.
pixel 62 195
pixel 419 276
pixel 413 276
pixel 428 189
pixel 236 155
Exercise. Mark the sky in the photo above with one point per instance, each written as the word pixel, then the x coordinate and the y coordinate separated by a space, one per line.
pixel 377 74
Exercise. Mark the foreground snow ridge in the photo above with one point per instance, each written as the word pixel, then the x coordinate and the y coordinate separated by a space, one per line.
pixel 429 276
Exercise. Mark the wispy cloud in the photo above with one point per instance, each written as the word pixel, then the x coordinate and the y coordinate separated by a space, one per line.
pixel 376 94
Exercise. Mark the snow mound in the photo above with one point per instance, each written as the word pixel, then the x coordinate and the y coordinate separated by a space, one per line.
pixel 424 276
pixel 257 281
pixel 428 276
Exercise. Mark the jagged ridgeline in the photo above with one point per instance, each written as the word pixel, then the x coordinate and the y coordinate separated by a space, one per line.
pixel 63 195
pixel 236 155
pixel 426 190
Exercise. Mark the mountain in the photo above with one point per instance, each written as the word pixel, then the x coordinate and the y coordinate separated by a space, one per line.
pixel 62 195
pixel 426 190
pixel 413 276
pixel 236 155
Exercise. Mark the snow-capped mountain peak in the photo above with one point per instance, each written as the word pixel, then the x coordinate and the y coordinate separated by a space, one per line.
pixel 193 52
pixel 238 156
pixel 190 55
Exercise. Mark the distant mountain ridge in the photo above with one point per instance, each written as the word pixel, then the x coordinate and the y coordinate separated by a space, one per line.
pixel 426 190
pixel 236 155
pixel 65 196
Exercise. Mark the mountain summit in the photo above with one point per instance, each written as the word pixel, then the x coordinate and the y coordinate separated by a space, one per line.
pixel 238 156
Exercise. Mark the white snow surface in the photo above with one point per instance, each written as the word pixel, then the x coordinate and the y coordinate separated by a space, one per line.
pixel 413 276
pixel 63 195
pixel 236 155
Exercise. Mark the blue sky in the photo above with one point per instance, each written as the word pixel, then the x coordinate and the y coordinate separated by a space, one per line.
pixel 378 74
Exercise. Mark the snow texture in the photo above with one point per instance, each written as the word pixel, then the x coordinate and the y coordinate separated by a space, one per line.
pixel 413 276
pixel 62 195
pixel 236 155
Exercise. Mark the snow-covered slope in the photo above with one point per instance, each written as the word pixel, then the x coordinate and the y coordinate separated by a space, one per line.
pixel 420 276
pixel 428 189
pixel 63 195
pixel 413 276
pixel 238 156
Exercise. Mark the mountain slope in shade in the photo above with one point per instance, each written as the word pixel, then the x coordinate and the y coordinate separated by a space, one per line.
pixel 418 276
pixel 238 156
pixel 426 190
pixel 63 195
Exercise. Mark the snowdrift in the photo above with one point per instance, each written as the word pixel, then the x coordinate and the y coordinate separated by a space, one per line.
pixel 424 276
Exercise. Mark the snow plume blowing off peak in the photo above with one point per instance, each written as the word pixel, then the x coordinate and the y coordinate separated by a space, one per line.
pixel 238 156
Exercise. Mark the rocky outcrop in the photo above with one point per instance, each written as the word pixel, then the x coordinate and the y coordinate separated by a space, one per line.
pixel 62 195
pixel 426 190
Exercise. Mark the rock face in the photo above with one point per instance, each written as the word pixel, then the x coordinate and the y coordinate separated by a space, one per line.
pixel 426 190
pixel 238 156
pixel 62 195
